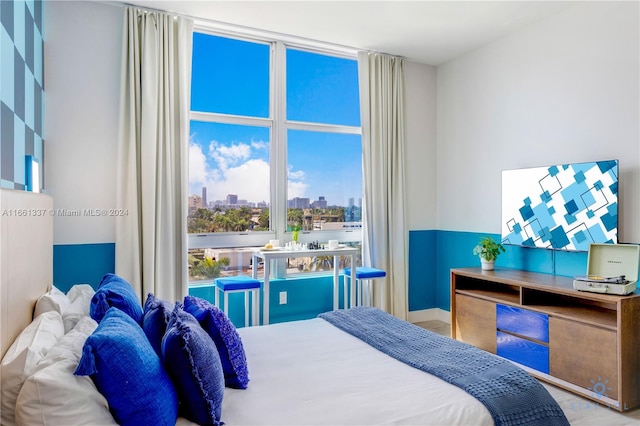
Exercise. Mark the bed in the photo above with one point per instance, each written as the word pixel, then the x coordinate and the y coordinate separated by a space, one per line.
pixel 305 372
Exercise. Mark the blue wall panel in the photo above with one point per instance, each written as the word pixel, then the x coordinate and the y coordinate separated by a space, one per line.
pixel 455 250
pixel 82 264
pixel 306 298
pixel 422 268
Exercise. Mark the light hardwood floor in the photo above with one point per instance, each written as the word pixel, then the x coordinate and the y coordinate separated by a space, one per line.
pixel 579 411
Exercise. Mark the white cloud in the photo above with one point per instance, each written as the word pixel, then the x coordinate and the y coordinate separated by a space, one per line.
pixel 227 156
pixel 234 173
pixel 297 175
pixel 197 164
pixel 260 145
pixel 296 189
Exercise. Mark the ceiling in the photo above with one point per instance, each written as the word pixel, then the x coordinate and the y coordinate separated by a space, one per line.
pixel 430 32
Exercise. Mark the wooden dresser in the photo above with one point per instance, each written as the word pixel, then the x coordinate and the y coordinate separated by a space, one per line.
pixel 587 343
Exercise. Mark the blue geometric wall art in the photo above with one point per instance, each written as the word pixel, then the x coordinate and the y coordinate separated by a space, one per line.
pixel 566 206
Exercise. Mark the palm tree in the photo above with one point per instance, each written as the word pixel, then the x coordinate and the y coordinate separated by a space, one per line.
pixel 322 263
pixel 210 268
pixel 294 217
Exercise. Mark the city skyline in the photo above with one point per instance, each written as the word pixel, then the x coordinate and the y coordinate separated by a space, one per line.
pixel 225 167
pixel 235 200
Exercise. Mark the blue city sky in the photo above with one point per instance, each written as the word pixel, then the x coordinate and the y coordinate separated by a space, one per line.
pixel 232 77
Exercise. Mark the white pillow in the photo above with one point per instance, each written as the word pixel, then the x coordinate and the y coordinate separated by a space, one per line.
pixel 80 290
pixel 53 300
pixel 54 396
pixel 20 361
pixel 80 296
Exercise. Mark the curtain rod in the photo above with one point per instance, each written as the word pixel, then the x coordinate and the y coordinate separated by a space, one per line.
pixel 240 30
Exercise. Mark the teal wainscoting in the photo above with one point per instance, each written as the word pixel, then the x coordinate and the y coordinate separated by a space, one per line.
pixel 82 264
pixel 454 249
pixel 432 254
pixel 306 298
pixel 422 270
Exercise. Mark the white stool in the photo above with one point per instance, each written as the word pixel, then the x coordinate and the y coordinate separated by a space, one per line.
pixel 240 284
pixel 363 273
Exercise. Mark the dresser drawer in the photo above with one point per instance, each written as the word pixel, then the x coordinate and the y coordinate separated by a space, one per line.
pixel 522 351
pixel 533 325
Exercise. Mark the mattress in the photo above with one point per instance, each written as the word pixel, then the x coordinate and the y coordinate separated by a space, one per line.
pixel 310 372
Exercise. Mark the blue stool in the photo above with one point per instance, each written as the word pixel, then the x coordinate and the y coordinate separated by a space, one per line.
pixel 239 284
pixel 363 273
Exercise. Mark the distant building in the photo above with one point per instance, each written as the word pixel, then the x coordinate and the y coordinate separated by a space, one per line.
pixel 351 204
pixel 299 203
pixel 321 203
pixel 204 197
pixel 232 199
pixel 195 202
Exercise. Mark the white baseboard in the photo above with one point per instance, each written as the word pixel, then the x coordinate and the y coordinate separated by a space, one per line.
pixel 429 315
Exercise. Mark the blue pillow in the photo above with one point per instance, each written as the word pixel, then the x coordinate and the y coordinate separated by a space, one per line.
pixel 129 374
pixel 115 291
pixel 192 361
pixel 155 318
pixel 226 338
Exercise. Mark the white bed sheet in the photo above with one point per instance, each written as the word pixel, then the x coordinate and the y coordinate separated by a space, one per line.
pixel 310 372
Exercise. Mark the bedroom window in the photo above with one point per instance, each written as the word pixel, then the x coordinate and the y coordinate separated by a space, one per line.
pixel 275 147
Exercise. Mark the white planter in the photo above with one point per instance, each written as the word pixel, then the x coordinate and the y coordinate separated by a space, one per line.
pixel 487 265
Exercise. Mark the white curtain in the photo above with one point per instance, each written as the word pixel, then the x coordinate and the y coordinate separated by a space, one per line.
pixel 385 235
pixel 151 240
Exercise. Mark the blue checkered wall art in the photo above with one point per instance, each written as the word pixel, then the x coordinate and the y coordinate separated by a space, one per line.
pixel 566 206
pixel 21 90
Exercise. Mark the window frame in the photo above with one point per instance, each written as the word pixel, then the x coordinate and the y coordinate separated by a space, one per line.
pixel 278 127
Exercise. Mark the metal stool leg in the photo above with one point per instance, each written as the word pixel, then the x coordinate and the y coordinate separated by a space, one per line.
pixel 226 303
pixel 245 294
pixel 255 296
pixel 345 301
pixel 369 301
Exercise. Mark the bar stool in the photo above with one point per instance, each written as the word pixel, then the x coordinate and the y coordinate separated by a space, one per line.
pixel 239 284
pixel 363 273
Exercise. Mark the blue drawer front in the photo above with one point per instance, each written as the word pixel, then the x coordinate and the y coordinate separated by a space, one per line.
pixel 523 322
pixel 523 352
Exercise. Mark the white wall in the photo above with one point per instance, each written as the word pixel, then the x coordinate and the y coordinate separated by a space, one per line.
pixel 563 90
pixel 420 125
pixel 82 84
pixel 82 74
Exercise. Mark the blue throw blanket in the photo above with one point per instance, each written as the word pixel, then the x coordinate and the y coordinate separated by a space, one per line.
pixel 510 394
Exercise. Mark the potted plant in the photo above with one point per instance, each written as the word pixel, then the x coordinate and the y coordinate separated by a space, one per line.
pixel 488 249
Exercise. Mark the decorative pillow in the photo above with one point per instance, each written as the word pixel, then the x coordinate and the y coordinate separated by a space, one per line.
pixel 127 371
pixel 155 320
pixel 54 396
pixel 192 360
pixel 80 296
pixel 115 291
pixel 53 300
pixel 226 338
pixel 20 361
